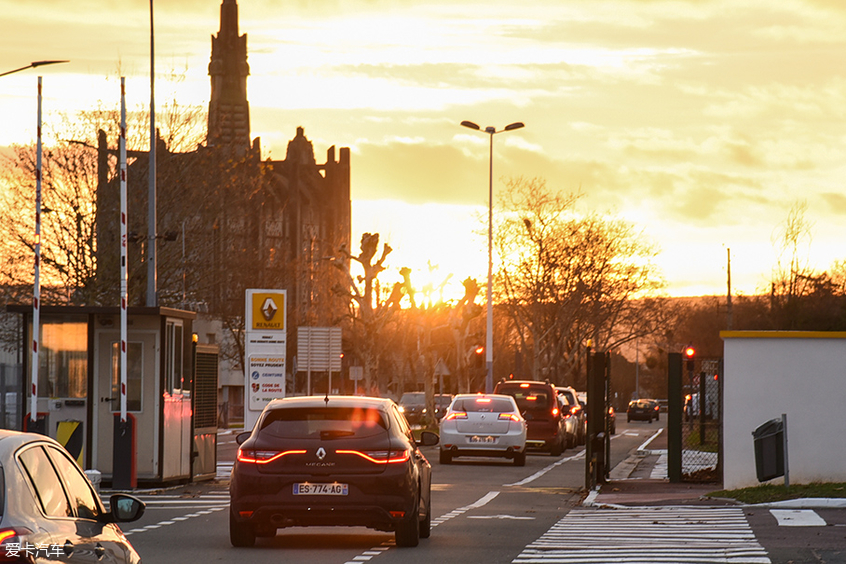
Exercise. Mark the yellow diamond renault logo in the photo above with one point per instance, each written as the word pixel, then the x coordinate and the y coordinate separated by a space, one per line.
pixel 268 309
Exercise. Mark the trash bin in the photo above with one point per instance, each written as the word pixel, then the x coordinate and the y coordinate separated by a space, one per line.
pixel 769 450
pixel 94 477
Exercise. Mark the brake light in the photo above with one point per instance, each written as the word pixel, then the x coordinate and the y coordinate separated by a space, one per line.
pixel 483 400
pixel 456 415
pixel 380 456
pixel 574 410
pixel 532 398
pixel 10 539
pixel 524 385
pixel 263 456
pixel 554 411
pixel 509 417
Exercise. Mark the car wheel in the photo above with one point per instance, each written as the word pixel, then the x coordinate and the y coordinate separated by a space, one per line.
pixel 446 457
pixel 241 534
pixel 520 459
pixel 426 524
pixel 557 449
pixel 408 529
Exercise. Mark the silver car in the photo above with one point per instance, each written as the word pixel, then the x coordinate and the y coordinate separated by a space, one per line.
pixel 483 425
pixel 50 512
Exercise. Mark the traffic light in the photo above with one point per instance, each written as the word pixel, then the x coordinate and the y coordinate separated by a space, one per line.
pixel 689 354
pixel 479 357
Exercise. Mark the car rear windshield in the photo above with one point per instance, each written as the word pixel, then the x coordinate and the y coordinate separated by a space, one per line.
pixel 488 405
pixel 324 423
pixel 531 398
pixel 417 398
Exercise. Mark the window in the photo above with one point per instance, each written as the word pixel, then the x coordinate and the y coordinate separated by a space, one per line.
pixel 175 381
pixel 82 497
pixel 134 372
pixel 62 358
pixel 323 423
pixel 45 481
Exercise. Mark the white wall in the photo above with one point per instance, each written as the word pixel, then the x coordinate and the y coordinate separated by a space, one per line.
pixel 800 374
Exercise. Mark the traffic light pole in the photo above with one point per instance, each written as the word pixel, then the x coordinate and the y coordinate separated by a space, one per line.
pixel 675 407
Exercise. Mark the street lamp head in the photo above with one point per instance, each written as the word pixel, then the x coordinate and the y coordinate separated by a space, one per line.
pixel 42 63
pixel 515 125
pixel 470 124
pixel 490 129
pixel 32 66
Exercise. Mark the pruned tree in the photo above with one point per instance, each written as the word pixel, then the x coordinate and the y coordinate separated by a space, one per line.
pixel 371 309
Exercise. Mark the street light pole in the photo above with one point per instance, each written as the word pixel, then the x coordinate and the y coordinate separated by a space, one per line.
pixel 489 325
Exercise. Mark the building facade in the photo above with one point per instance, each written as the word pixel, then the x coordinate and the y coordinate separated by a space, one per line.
pixel 228 220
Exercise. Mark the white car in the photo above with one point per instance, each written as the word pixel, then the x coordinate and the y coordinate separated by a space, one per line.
pixel 483 425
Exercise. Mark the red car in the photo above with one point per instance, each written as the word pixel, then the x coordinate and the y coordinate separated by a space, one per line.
pixel 538 403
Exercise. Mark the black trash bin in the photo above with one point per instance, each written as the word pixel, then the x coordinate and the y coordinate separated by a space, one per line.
pixel 769 450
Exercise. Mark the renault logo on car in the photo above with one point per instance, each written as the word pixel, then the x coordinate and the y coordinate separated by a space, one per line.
pixel 321 453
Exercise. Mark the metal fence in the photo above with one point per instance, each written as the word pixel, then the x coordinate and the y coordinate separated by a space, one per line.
pixel 701 432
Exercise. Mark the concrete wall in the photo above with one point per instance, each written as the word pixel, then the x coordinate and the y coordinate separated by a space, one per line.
pixel 801 374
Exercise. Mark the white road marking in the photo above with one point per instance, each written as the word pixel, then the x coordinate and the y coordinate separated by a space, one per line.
pixel 543 471
pixel 797 518
pixel 500 517
pixel 648 534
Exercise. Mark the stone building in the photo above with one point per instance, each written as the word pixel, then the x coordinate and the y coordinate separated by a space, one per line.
pixel 228 220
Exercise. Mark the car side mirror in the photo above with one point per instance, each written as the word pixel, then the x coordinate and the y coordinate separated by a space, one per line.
pixel 241 437
pixel 125 508
pixel 428 438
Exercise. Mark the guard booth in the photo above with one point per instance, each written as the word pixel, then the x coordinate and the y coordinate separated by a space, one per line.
pixel 79 387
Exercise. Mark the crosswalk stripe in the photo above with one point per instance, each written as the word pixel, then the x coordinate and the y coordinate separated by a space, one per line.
pixel 648 535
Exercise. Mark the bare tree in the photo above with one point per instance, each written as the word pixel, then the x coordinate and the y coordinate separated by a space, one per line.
pixel 567 277
pixel 370 309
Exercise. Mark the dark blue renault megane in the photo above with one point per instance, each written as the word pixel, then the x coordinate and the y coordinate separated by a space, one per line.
pixel 331 461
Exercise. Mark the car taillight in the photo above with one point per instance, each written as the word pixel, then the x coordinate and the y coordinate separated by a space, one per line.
pixel 13 547
pixel 263 456
pixel 574 410
pixel 554 411
pixel 380 456
pixel 456 415
pixel 509 417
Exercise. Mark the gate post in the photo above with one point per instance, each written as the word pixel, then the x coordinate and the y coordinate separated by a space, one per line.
pixel 674 417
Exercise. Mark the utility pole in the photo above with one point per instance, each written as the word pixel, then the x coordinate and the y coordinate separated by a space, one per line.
pixel 728 295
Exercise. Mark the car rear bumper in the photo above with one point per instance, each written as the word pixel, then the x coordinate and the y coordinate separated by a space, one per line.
pixel 377 501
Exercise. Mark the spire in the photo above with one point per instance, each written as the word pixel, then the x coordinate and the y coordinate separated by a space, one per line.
pixel 229 111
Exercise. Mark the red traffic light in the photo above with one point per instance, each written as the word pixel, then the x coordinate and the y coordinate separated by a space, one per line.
pixel 479 350
pixel 689 352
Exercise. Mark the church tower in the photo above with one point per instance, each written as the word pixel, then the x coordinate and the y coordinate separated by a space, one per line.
pixel 229 111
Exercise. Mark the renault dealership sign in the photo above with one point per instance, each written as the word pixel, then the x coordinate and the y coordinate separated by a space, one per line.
pixel 265 342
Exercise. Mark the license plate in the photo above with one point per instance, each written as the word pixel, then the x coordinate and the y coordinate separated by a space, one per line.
pixel 486 440
pixel 321 489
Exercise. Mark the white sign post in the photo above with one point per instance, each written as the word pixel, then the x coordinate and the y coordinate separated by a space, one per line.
pixel 264 351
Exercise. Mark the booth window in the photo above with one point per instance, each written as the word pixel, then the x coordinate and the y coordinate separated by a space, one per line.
pixel 62 358
pixel 173 359
pixel 134 370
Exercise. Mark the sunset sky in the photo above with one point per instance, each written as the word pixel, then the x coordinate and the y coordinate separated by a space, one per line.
pixel 701 121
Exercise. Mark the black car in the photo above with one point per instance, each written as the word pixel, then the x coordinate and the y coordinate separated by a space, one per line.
pixel 331 461
pixel 49 511
pixel 642 410
pixel 413 406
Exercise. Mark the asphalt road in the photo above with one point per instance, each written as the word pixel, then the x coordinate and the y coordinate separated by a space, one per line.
pixel 484 510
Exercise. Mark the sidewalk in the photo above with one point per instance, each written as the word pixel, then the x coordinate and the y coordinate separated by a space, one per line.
pixel 641 480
